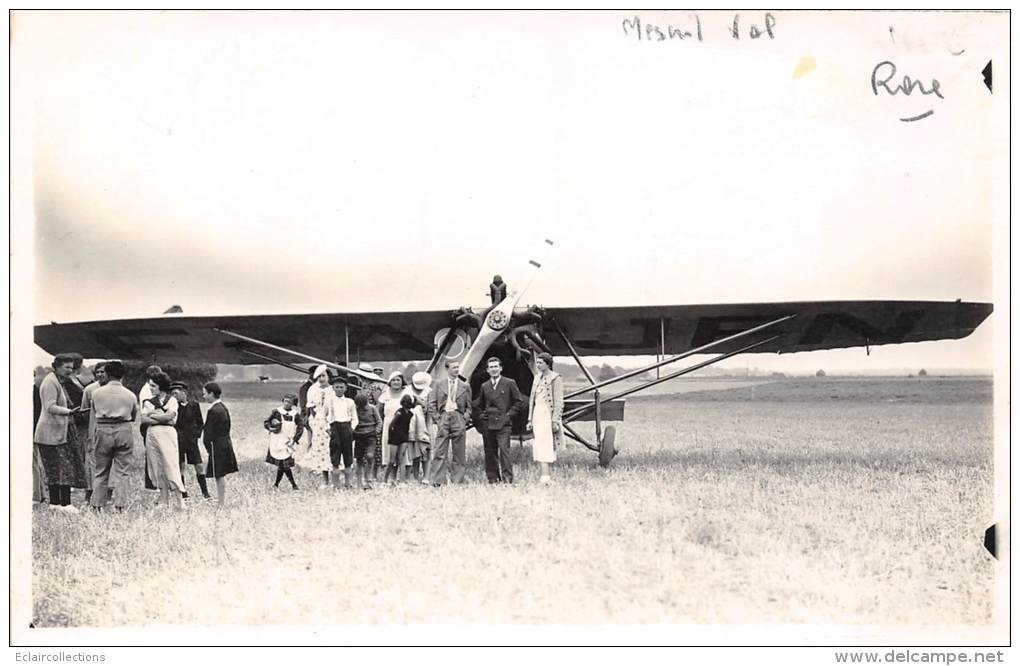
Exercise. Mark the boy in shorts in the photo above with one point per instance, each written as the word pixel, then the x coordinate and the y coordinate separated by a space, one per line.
pixel 366 434
pixel 189 429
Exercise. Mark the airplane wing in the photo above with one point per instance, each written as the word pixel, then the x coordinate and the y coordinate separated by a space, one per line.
pixel 605 331
pixel 816 325
pixel 379 336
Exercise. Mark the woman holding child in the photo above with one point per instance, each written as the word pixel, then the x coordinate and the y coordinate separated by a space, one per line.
pixel 390 403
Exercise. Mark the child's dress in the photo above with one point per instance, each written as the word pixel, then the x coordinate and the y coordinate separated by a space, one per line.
pixel 218 445
pixel 406 429
pixel 282 442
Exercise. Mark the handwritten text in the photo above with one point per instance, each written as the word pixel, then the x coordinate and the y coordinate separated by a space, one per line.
pixel 885 72
pixel 692 30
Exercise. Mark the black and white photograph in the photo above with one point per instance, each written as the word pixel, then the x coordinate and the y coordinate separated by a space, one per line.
pixel 629 327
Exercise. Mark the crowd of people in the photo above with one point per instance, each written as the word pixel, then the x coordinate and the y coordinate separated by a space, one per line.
pixel 84 436
pixel 412 431
pixel 351 434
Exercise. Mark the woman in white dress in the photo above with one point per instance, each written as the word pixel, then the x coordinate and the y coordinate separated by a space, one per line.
pixel 159 414
pixel 319 406
pixel 389 401
pixel 545 416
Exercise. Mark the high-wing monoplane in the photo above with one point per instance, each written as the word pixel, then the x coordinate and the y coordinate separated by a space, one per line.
pixel 514 332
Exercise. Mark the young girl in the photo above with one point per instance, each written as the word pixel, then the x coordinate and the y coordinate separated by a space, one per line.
pixel 402 435
pixel 216 437
pixel 284 426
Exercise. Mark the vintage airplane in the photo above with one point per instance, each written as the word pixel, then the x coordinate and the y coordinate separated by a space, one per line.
pixel 513 333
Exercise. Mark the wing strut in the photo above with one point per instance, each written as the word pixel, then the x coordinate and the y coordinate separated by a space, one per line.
pixel 690 352
pixel 662 342
pixel 573 414
pixel 577 358
pixel 606 441
pixel 276 361
pixel 336 366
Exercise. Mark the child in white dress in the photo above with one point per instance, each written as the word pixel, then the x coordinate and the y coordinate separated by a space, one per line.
pixel 284 425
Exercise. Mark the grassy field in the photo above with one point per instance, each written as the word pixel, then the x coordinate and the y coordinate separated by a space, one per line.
pixel 848 501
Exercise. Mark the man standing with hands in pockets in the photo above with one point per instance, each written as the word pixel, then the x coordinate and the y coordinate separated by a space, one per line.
pixel 449 406
pixel 498 401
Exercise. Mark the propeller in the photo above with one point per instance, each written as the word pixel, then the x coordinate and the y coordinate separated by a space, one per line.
pixel 497 320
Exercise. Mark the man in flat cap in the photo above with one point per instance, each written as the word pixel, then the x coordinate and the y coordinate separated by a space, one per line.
pixel 189 429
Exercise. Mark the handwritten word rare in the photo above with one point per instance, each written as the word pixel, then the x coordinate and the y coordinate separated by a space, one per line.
pixel 885 71
pixel 907 86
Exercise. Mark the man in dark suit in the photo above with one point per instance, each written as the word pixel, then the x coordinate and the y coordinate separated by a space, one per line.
pixel 498 401
pixel 449 407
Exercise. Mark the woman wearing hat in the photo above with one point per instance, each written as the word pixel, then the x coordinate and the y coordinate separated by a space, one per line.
pixel 545 417
pixel 318 407
pixel 390 402
pixel 421 386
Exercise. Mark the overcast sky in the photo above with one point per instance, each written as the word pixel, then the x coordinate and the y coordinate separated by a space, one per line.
pixel 307 162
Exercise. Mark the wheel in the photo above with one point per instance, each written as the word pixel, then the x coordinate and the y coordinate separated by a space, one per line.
pixel 607 450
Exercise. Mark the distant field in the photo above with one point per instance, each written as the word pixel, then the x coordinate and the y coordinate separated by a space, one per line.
pixel 847 501
pixel 925 389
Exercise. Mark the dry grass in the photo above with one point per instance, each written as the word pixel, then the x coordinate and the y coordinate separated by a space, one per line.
pixel 793 506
